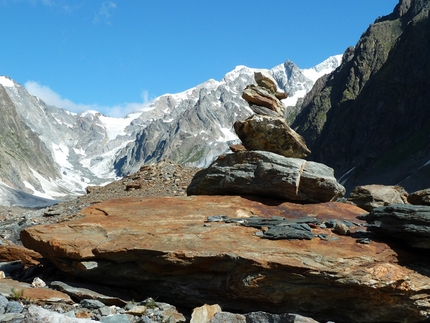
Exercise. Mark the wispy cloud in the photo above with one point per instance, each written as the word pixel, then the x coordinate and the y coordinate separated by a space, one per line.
pixel 105 12
pixel 52 98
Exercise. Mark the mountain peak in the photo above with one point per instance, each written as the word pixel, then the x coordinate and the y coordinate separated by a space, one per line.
pixel 6 81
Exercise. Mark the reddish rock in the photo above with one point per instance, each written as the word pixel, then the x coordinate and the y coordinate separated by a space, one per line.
pixel 237 147
pixel 162 246
pixel 36 295
pixel 28 257
pixel 254 94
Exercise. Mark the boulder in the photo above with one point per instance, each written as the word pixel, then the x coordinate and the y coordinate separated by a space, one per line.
pixel 409 224
pixel 203 314
pixel 369 197
pixel 421 197
pixel 267 174
pixel 260 132
pixel 254 94
pixel 163 246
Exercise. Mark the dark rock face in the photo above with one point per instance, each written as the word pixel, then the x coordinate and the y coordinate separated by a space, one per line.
pixel 267 174
pixel 407 223
pixel 371 116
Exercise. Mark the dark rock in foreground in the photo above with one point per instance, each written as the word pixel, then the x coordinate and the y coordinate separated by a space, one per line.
pixel 407 223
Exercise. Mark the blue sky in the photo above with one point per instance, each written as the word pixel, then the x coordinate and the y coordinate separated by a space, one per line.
pixel 114 56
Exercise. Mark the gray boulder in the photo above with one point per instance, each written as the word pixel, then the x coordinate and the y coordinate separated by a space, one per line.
pixel 407 223
pixel 421 197
pixel 369 197
pixel 267 174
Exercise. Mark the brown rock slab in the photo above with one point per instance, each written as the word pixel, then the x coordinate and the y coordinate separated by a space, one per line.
pixel 161 246
pixel 254 94
pixel 260 132
pixel 35 295
pixel 28 257
pixel 82 291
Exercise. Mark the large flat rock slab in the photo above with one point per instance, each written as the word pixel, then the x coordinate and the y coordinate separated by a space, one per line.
pixel 263 173
pixel 164 247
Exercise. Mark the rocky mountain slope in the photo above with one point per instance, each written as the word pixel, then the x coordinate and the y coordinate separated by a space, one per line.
pixel 369 118
pixel 199 125
pixel 53 153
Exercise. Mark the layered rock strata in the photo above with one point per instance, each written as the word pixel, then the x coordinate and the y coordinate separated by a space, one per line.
pixel 267 174
pixel 165 247
pixel 409 224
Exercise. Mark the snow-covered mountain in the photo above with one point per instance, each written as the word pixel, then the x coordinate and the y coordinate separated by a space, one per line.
pixel 63 152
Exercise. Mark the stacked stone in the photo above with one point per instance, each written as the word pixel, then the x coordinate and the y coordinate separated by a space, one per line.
pixel 267 129
pixel 269 162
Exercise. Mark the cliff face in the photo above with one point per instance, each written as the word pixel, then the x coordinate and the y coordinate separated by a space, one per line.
pixel 369 119
pixel 21 150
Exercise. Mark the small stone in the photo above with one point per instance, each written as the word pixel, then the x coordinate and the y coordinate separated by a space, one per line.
pixel 204 314
pixel 340 228
pixel 2 274
pixel 217 218
pixel 91 303
pixel 364 240
pixel 3 303
pixel 238 147
pixel 38 283
pixel 137 310
pixel 82 314
pixel 107 310
pixel 13 307
pixel 118 318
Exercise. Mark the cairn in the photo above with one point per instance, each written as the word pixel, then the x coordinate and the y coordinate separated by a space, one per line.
pixel 267 129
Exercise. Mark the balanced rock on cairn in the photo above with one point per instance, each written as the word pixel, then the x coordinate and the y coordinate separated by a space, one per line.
pixel 269 164
pixel 267 129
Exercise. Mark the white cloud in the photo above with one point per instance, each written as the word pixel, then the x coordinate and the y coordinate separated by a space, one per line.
pixel 105 12
pixel 52 98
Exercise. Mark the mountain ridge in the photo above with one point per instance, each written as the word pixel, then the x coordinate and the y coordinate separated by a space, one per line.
pixel 192 128
pixel 369 118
